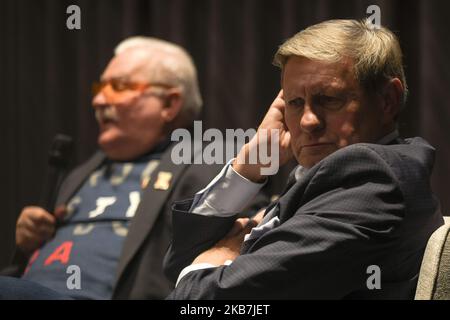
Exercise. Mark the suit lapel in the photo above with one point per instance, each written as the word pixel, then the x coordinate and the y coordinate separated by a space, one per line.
pixel 283 208
pixel 74 181
pixel 273 210
pixel 153 199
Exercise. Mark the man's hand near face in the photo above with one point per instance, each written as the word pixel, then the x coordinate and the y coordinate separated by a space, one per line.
pixel 273 120
pixel 229 247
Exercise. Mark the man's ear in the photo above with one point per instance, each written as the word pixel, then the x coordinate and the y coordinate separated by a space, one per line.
pixel 172 105
pixel 393 93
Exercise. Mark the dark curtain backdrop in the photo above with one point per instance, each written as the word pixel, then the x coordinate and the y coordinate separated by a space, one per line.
pixel 46 71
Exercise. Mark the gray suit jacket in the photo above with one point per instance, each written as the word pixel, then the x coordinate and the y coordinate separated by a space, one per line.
pixel 363 205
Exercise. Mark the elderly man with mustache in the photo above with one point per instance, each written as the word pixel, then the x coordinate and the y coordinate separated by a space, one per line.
pixel 115 223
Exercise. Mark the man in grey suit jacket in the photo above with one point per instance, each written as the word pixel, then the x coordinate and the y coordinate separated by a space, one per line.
pixel 357 211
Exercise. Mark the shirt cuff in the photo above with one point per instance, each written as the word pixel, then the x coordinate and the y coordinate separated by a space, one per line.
pixel 227 194
pixel 193 267
pixel 198 266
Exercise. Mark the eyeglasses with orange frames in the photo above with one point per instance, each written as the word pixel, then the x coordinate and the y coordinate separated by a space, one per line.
pixel 117 89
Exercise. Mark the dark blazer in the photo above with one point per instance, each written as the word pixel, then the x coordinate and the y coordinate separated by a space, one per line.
pixel 363 205
pixel 139 272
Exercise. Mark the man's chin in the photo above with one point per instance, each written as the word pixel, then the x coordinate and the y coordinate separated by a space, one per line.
pixel 110 136
pixel 308 161
pixel 117 149
pixel 113 153
pixel 108 143
pixel 105 142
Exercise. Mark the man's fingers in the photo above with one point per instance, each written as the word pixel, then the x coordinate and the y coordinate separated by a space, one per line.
pixel 60 212
pixel 28 240
pixel 42 217
pixel 241 227
pixel 38 229
pixel 259 216
pixel 46 232
pixel 279 102
pixel 250 225
pixel 238 226
pixel 280 94
pixel 34 226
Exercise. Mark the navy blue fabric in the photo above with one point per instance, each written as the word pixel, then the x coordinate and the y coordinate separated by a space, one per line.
pixel 93 232
pixel 19 289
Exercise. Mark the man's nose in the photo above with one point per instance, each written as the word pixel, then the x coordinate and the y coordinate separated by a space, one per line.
pixel 310 121
pixel 99 100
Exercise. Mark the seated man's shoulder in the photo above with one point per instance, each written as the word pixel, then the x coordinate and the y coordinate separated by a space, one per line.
pixel 403 153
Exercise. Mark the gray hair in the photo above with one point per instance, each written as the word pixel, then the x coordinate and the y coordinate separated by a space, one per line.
pixel 374 51
pixel 170 64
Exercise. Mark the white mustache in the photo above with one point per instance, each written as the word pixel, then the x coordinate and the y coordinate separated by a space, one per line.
pixel 108 113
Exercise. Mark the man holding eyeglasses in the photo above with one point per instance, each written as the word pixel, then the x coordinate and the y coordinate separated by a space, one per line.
pixel 115 223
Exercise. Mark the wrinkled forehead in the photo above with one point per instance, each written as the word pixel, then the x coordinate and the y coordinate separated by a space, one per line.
pixel 131 65
pixel 302 74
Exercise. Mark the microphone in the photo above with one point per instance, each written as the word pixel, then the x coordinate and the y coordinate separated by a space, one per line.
pixel 58 159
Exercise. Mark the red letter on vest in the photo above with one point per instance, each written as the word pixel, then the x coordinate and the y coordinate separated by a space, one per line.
pixel 62 254
pixel 31 261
